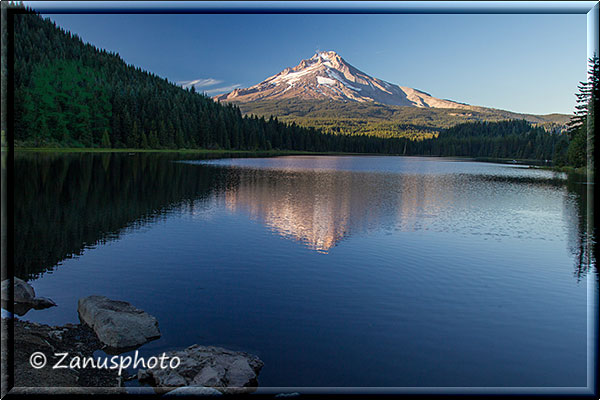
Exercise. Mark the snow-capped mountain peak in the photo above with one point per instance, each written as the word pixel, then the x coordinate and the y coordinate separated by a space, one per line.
pixel 326 75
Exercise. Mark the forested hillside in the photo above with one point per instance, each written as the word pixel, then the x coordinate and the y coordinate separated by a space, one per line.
pixel 69 93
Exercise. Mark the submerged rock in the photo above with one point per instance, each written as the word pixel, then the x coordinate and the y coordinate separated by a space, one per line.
pixel 43 302
pixel 193 391
pixel 117 324
pixel 225 370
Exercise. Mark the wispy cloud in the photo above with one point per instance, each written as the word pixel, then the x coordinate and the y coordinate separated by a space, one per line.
pixel 223 89
pixel 203 83
pixel 200 83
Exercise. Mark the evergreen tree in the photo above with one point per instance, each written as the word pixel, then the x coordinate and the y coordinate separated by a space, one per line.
pixel 134 139
pixel 153 140
pixel 179 142
pixel 105 139
pixel 582 124
pixel 144 141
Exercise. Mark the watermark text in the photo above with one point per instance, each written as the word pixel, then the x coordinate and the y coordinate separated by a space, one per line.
pixel 38 360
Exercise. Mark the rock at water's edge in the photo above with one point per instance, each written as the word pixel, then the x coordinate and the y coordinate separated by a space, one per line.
pixel 23 292
pixel 24 297
pixel 225 370
pixel 117 324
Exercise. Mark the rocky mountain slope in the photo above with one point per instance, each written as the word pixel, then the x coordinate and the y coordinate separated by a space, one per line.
pixel 326 75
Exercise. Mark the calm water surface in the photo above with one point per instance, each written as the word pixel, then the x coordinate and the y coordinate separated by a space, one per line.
pixel 335 271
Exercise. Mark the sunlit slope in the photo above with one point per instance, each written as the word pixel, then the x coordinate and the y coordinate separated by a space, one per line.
pixel 385 120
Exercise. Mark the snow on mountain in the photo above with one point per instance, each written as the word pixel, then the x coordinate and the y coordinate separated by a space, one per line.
pixel 326 75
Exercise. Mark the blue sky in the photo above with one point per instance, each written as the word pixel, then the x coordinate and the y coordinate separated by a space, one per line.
pixel 525 63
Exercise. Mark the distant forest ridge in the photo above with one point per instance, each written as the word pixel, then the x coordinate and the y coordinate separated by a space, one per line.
pixel 362 118
pixel 72 94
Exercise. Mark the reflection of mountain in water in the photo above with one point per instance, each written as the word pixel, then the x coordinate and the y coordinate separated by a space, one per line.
pixel 65 203
pixel 314 208
pixel 320 208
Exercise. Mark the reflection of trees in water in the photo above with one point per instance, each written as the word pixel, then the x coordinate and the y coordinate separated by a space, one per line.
pixel 581 234
pixel 65 203
pixel 582 241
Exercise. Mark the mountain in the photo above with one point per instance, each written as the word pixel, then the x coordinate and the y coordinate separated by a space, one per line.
pixel 327 93
pixel 326 75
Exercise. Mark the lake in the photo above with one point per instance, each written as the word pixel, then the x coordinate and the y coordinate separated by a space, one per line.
pixel 337 271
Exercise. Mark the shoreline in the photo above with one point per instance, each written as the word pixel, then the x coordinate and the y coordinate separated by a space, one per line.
pixel 534 164
pixel 537 164
pixel 114 327
pixel 182 151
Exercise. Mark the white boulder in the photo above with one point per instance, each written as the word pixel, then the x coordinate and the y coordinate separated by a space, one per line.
pixel 117 324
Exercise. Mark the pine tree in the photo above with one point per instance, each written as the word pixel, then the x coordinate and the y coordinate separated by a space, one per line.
pixel 133 139
pixel 105 139
pixel 582 124
pixel 179 142
pixel 153 140
pixel 144 141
